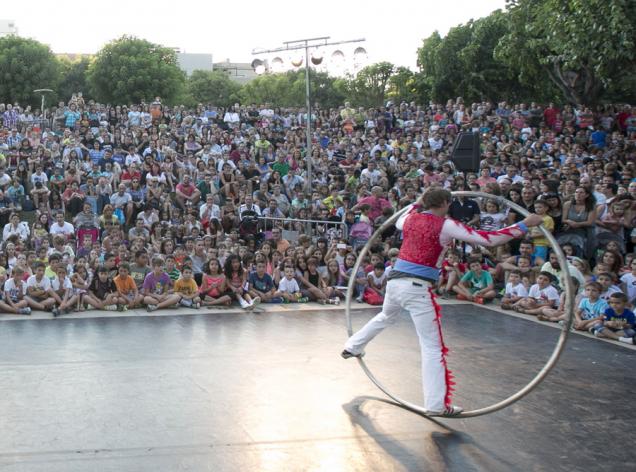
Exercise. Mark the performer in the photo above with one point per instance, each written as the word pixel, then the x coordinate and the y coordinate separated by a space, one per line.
pixel 426 235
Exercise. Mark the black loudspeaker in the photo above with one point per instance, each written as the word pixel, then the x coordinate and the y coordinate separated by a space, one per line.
pixel 465 154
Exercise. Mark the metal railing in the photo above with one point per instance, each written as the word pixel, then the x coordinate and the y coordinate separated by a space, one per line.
pixel 293 227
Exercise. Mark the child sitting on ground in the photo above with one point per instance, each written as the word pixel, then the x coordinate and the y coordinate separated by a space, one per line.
pixel 606 279
pixel 476 285
pixel 541 295
pixel 591 308
pixel 617 322
pixel 515 290
pixel 288 288
pixel 156 288
pixel 213 286
pixel 628 283
pixel 377 279
pixel 127 291
pixel 187 288
pixel 102 292
pixel 261 283
pixel 14 292
pixel 452 271
pixel 558 314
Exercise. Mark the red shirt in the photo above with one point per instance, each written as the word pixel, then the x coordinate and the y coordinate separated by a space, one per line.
pixel 187 190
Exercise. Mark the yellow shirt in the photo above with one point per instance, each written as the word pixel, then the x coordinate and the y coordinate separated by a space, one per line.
pixel 537 237
pixel 186 287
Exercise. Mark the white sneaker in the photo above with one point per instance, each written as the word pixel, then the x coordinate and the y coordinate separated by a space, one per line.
pixel 256 301
pixel 110 308
pixel 25 311
pixel 244 304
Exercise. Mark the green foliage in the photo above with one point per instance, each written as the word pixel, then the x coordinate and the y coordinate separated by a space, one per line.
pixel 463 64
pixel 370 86
pixel 213 87
pixel 288 89
pixel 26 65
pixel 586 47
pixel 130 70
pixel 73 78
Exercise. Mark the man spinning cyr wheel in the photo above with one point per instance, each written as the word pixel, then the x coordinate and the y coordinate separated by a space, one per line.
pixel 427 233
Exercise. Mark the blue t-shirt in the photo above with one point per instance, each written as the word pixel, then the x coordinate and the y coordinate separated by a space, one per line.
pixel 627 315
pixel 264 284
pixel 591 310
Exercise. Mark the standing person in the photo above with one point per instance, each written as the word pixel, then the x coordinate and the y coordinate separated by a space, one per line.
pixel 427 233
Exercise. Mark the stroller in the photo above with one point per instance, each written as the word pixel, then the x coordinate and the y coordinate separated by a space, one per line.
pixel 249 224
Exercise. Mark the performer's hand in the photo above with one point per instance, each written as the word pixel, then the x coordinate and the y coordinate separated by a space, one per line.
pixel 533 220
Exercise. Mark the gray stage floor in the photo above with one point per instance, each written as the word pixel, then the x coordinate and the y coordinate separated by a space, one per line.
pixel 269 392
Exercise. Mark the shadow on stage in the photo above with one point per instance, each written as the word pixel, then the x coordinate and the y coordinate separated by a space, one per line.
pixel 436 443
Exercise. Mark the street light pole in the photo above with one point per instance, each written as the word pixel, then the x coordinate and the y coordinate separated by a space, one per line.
pixel 308 120
pixel 306 44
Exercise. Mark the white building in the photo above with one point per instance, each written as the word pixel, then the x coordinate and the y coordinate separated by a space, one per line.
pixel 240 72
pixel 190 62
pixel 7 27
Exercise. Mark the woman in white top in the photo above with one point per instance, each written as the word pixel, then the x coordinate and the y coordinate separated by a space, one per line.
pixel 16 227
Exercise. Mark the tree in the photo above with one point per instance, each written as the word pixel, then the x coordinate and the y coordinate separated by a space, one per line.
pixel 586 47
pixel 370 86
pixel 403 86
pixel 213 87
pixel 130 70
pixel 288 89
pixel 26 65
pixel 74 77
pixel 463 64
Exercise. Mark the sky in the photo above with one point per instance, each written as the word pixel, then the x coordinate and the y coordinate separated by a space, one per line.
pixel 393 32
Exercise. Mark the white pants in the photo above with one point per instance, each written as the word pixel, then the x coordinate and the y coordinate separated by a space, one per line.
pixel 412 295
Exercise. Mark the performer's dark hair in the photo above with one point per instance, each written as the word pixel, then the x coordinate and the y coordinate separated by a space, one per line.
pixel 435 197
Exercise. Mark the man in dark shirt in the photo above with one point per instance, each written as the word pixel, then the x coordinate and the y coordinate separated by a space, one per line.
pixel 465 210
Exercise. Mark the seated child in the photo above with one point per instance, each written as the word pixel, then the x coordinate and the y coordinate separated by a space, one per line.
pixel 187 289
pixel 541 295
pixel 156 288
pixel 213 288
pixel 628 283
pixel 127 290
pixel 261 284
pixel 377 279
pixel 558 314
pixel 63 292
pixel 14 291
pixel 452 271
pixel 476 285
pixel 102 292
pixel 617 322
pixel 289 289
pixel 515 290
pixel 38 288
pixel 606 279
pixel 171 268
pixel 591 308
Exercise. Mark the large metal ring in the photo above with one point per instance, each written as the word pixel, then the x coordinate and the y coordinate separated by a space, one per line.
pixel 556 353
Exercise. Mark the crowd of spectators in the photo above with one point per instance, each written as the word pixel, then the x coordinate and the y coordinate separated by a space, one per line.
pixel 112 207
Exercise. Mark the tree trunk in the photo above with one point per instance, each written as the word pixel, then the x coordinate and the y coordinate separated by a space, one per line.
pixel 578 87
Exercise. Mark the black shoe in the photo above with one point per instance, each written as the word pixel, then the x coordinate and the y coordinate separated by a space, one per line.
pixel 56 312
pixel 346 354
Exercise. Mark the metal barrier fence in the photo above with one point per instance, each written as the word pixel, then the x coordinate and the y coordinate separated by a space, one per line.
pixel 292 228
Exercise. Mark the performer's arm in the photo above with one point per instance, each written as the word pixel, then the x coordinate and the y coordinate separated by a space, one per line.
pixel 453 229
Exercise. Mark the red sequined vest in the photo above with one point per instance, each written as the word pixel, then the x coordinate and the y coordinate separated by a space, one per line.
pixel 421 233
